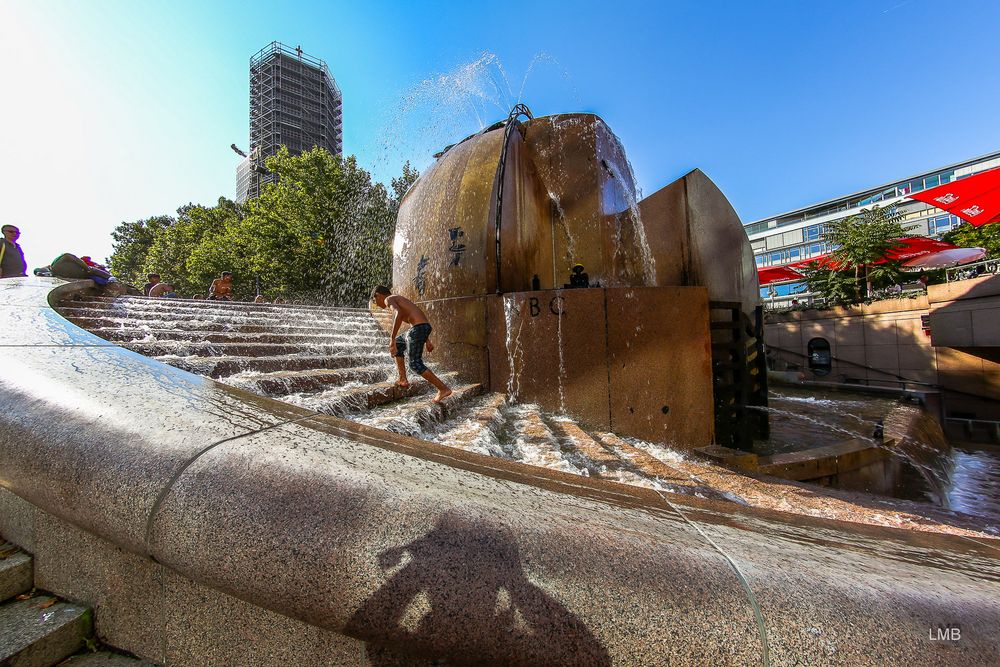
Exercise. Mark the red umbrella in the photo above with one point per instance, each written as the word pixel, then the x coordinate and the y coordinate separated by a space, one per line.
pixel 909 247
pixel 975 199
pixel 776 274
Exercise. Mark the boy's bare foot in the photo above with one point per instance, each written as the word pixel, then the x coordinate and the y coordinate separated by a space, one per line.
pixel 430 346
pixel 402 384
pixel 442 394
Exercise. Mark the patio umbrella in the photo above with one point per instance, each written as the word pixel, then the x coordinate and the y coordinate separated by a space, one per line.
pixel 944 259
pixel 909 247
pixel 776 274
pixel 975 199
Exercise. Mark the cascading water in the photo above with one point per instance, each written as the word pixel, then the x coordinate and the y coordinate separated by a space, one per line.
pixel 634 218
pixel 356 383
pixel 562 356
pixel 810 420
pixel 513 345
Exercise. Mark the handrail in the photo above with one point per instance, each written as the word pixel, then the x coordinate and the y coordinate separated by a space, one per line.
pixel 974 270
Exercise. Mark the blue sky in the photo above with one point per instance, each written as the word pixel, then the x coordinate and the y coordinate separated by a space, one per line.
pixel 121 110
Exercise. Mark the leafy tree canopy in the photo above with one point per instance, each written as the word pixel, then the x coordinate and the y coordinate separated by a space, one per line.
pixel 322 232
pixel 859 242
pixel 132 241
pixel 967 236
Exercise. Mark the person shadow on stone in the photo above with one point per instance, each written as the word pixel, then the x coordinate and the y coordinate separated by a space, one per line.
pixel 459 594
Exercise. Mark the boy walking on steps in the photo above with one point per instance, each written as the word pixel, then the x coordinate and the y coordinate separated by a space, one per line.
pixel 418 336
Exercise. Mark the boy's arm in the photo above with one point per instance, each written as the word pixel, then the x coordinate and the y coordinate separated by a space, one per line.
pixel 397 322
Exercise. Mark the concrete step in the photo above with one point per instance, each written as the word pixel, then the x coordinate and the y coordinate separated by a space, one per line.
pixel 415 417
pixel 478 428
pixel 16 571
pixel 125 323
pixel 593 455
pixel 40 631
pixel 171 309
pixel 105 659
pixel 202 349
pixel 671 478
pixel 361 399
pixel 92 318
pixel 282 383
pixel 118 334
pixel 139 302
pixel 224 367
pixel 533 442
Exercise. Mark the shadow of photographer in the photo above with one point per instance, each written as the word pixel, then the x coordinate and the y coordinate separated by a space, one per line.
pixel 459 593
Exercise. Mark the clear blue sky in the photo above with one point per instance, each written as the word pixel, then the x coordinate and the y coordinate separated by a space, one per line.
pixel 118 110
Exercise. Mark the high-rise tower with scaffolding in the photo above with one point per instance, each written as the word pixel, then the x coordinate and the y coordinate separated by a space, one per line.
pixel 295 102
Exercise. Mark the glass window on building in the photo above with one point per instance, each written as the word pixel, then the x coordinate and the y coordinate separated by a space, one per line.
pixel 775 291
pixel 813 232
pixel 939 224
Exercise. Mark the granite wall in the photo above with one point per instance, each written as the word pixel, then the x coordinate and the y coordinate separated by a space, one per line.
pixel 209 526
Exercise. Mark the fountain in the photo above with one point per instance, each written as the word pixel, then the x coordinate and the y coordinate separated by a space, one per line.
pixel 528 201
pixel 550 512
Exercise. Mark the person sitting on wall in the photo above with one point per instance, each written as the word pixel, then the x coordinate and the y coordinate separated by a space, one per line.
pixel 578 278
pixel 12 264
pixel 415 339
pixel 165 290
pixel 91 263
pixel 153 279
pixel 222 288
pixel 71 267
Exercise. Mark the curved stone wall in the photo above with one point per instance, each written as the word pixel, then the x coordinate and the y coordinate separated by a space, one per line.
pixel 424 550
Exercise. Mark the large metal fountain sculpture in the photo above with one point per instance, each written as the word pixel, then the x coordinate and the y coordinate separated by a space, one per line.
pixel 662 346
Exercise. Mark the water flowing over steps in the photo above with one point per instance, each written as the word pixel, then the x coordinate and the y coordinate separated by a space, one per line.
pixel 335 361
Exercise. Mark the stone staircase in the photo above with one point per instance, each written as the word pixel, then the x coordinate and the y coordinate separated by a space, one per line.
pixel 36 630
pixel 40 630
pixel 335 361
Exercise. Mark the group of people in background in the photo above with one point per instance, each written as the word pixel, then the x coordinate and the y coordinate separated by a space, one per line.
pixel 221 289
pixel 415 340
pixel 66 265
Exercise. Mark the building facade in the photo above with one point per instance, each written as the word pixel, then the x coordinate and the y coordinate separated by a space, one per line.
pixel 800 234
pixel 294 102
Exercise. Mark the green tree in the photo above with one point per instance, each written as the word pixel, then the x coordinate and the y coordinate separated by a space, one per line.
pixel 862 240
pixel 402 184
pixel 321 232
pixel 191 252
pixel 837 287
pixel 323 229
pixel 132 241
pixel 967 236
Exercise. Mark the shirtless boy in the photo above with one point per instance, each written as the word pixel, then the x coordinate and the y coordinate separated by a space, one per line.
pixel 418 335
pixel 222 288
